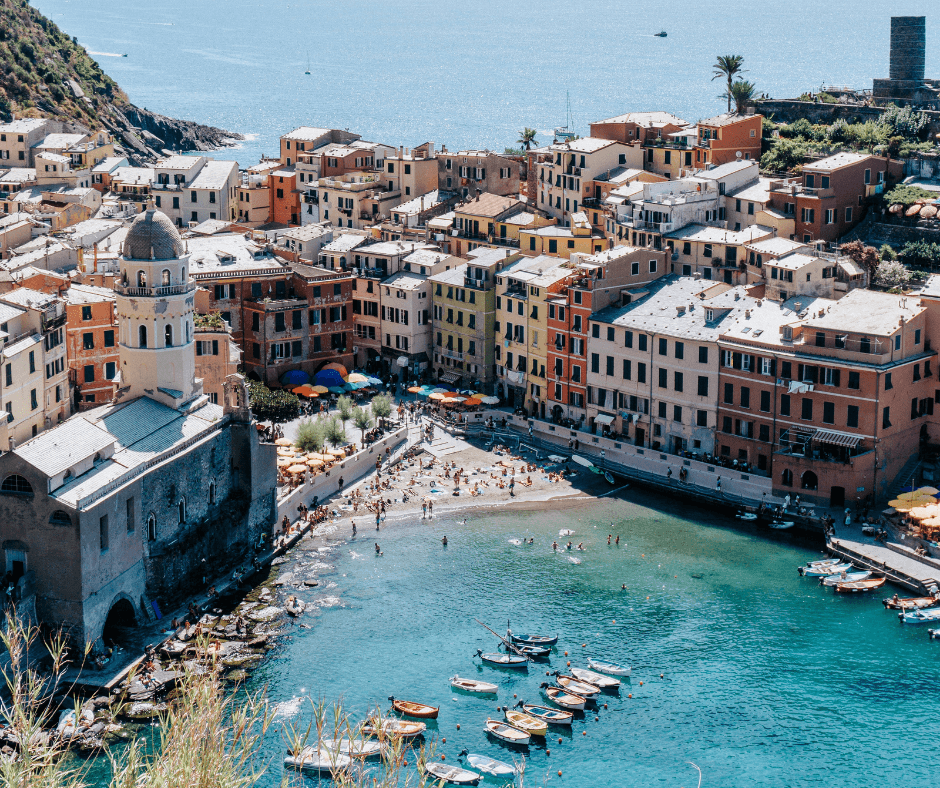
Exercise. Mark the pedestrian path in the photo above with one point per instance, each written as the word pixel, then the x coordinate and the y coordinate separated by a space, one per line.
pixel 913 574
pixel 442 445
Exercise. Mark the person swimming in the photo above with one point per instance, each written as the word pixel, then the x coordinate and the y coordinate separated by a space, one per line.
pixel 444 541
pixel 568 546
pixel 377 550
pixel 555 546
pixel 580 545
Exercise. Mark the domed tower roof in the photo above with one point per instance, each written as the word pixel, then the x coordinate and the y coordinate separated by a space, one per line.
pixel 152 236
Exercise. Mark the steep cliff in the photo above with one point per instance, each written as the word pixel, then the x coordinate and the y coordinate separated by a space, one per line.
pixel 45 73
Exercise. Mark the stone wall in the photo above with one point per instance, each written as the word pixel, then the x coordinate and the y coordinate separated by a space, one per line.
pixel 789 110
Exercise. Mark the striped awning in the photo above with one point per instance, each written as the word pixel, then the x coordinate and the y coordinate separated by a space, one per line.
pixel 834 438
pixel 450 377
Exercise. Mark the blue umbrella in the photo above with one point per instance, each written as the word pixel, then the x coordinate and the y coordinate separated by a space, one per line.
pixel 329 378
pixel 294 377
pixel 375 381
pixel 336 389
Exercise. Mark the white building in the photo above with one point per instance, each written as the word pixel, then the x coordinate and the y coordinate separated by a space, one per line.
pixel 193 188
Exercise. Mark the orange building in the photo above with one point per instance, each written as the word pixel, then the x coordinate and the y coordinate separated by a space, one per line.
pixel 91 337
pixel 285 196
pixel 727 138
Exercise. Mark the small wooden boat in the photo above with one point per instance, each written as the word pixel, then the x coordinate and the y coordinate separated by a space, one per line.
pixel 746 516
pixel 845 577
pixel 504 660
pixel 455 775
pixel 859 586
pixel 524 722
pixel 609 477
pixel 919 616
pixel 565 699
pixel 409 709
pixel 822 571
pixel 354 748
pixel 472 685
pixel 534 652
pixel 392 726
pixel 582 688
pixel 824 562
pixel 909 603
pixel 610 668
pixel 507 733
pixel 598 680
pixel 781 525
pixel 319 760
pixel 533 640
pixel 489 765
pixel 546 714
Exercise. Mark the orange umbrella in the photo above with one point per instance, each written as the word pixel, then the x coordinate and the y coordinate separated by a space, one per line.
pixel 415 390
pixel 297 468
pixel 473 401
pixel 339 368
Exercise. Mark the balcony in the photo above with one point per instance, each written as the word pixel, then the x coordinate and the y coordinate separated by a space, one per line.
pixel 311 199
pixel 168 187
pixel 517 292
pixel 454 354
pixel 476 284
pixel 168 290
pixel 653 227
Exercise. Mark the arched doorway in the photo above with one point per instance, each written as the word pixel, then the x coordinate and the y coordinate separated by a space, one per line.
pixel 809 481
pixel 120 618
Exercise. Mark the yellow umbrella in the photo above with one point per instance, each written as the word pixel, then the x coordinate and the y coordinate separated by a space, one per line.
pixel 437 397
pixel 922 512
pixel 284 442
pixel 321 389
pixel 283 462
pixel 284 451
pixel 927 491
pixel 356 377
pixel 314 463
pixel 299 468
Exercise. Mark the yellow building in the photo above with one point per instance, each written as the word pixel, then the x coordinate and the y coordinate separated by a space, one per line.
pixel 563 241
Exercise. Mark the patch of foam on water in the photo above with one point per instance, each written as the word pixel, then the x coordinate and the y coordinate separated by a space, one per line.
pixel 329 601
pixel 288 708
pixel 318 566
pixel 355 555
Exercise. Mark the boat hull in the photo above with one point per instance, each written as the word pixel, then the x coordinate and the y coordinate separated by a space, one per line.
pixel 610 668
pixel 919 616
pixel 860 586
pixel 507 733
pixel 505 661
pixel 597 679
pixel 534 640
pixel 910 603
pixel 418 710
pixel 472 685
pixel 451 774
pixel 567 700
pixel 550 716
pixel 524 722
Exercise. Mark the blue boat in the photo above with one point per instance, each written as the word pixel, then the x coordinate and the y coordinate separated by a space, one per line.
pixel 533 640
pixel 533 652
pixel 919 616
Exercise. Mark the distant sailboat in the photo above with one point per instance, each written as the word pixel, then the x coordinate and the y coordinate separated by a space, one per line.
pixel 663 34
pixel 566 132
pixel 307 72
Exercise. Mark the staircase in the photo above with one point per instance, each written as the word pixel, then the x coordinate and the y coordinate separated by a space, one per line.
pixel 905 478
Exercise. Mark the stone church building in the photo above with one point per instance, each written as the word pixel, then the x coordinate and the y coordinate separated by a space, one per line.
pixel 107 517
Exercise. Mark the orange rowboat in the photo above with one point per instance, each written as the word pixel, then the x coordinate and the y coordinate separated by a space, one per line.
pixel 419 710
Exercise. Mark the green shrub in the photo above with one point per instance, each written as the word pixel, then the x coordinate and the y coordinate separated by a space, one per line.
pixel 920 254
pixel 783 156
pixel 908 195
pixel 276 405
pixel 311 435
pixel 887 253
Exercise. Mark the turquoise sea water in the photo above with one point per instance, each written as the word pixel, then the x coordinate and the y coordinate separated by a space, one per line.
pixel 468 74
pixel 769 679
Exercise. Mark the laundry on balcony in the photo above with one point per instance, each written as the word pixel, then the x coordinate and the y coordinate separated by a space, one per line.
pixel 603 418
pixel 798 387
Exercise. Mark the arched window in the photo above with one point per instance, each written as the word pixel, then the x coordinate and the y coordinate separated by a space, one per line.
pixel 141 279
pixel 59 517
pixel 787 478
pixel 143 336
pixel 151 528
pixel 168 336
pixel 809 481
pixel 211 493
pixel 165 278
pixel 182 510
pixel 15 485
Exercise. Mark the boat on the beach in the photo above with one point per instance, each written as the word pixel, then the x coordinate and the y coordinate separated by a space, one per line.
pixel 533 640
pixel 826 569
pixel 597 679
pixel 319 760
pixel 504 660
pixel 506 732
pixel 531 725
pixel 845 577
pixel 392 726
pixel 582 688
pixel 610 668
pixel 354 748
pixel 909 603
pixel 489 765
pixel 472 685
pixel 565 699
pixel 547 714
pixel 455 775
pixel 410 709
pixel 919 616
pixel 860 586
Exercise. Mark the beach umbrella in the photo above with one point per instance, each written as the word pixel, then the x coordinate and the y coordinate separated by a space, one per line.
pixel 439 390
pixel 294 377
pixel 283 462
pixel 336 367
pixel 437 395
pixel 284 451
pixel 284 442
pixel 415 390
pixel 932 522
pixel 376 381
pixel 321 390
pixel 357 377
pixel 314 463
pixel 298 468
pixel 910 495
pixel 337 390
pixel 337 452
pixel 924 512
pixel 901 506
pixel 309 394
pixel 468 392
pixel 489 400
pixel 329 378
pixel 472 401
pixel 454 399
pixel 927 491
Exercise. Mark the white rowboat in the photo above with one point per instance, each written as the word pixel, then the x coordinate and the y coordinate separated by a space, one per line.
pixel 319 760
pixel 472 685
pixel 489 765
pixel 455 775
pixel 598 680
pixel 610 668
pixel 845 577
pixel 359 748
pixel 565 699
pixel 507 733
pixel 392 726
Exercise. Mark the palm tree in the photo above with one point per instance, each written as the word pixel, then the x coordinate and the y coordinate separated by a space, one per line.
pixel 363 421
pixel 743 93
pixel 527 137
pixel 727 67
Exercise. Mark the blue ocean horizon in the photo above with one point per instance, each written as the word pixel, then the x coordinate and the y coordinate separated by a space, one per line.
pixel 467 76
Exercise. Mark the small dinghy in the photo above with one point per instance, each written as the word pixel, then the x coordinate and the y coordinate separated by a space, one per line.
pixel 455 775
pixel 845 577
pixel 582 688
pixel 604 682
pixel 546 714
pixel 934 633
pixel 318 760
pixel 507 733
pixel 472 685
pixel 909 603
pixel 363 748
pixel 824 562
pixel 409 709
pixel 860 586
pixel 533 640
pixel 534 652
pixel 565 699
pixel 746 516
pixel 822 571
pixel 392 726
pixel 781 525
pixel 489 765
pixel 504 660
pixel 919 616
pixel 524 722
pixel 610 668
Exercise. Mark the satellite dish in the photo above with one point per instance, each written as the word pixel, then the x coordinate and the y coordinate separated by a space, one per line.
pixel 738 154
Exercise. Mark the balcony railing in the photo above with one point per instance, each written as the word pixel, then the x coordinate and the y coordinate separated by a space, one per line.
pixel 172 187
pixel 454 354
pixel 166 290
